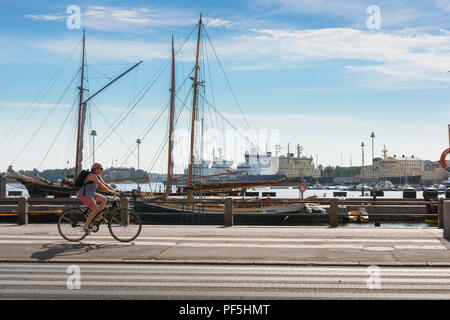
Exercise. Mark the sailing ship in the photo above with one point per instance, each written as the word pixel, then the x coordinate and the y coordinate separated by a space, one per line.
pixel 189 205
pixel 39 187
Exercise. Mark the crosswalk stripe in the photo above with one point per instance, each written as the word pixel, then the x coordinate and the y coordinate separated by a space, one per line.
pixel 168 284
pixel 307 279
pixel 187 238
pixel 231 245
pixel 349 272
pixel 35 267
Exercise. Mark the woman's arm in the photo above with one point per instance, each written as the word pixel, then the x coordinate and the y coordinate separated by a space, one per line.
pixel 108 187
pixel 99 181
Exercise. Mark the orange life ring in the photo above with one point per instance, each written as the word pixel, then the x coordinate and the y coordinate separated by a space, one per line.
pixel 443 162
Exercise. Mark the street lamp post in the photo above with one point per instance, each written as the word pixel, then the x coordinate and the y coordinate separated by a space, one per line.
pixel 404 171
pixel 93 134
pixel 362 170
pixel 138 141
pixel 373 165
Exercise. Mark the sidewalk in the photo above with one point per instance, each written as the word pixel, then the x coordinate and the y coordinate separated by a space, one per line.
pixel 276 245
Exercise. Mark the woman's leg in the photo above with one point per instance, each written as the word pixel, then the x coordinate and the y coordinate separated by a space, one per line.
pixel 90 203
pixel 91 216
pixel 102 201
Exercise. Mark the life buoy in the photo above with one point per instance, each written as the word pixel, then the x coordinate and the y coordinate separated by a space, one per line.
pixel 443 162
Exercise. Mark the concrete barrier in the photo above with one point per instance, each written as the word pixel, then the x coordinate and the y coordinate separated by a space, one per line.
pixel 446 214
pixel 22 211
pixel 334 213
pixel 228 212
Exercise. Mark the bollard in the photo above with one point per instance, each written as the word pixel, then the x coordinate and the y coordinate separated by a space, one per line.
pixel 446 214
pixel 22 211
pixel 228 212
pixel 334 210
pixel 124 207
pixel 429 208
pixel 441 213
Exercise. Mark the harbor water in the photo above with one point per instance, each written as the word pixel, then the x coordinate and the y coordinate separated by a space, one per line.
pixel 286 192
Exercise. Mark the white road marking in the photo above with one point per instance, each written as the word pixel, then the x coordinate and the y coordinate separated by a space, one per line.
pixel 86 241
pixel 259 284
pixel 229 239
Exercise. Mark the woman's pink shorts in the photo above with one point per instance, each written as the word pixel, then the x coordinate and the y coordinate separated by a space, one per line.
pixel 89 202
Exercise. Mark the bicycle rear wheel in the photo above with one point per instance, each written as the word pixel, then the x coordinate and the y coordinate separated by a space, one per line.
pixel 125 225
pixel 71 223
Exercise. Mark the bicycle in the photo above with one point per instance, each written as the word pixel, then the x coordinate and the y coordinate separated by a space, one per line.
pixel 124 224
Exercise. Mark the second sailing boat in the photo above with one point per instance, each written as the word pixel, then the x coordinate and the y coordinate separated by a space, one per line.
pixel 178 203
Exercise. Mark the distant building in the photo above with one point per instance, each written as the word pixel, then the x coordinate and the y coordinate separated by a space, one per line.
pixel 119 173
pixel 398 167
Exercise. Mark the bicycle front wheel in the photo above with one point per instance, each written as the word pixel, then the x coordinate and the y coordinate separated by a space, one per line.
pixel 125 225
pixel 71 223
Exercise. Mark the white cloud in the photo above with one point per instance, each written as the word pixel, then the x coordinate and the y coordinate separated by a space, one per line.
pixel 6 104
pixel 424 55
pixel 404 56
pixel 45 17
pixel 128 19
pixel 217 23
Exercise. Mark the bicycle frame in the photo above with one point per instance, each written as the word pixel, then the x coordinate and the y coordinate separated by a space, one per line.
pixel 109 212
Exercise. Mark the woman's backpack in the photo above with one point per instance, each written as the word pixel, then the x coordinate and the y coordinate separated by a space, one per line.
pixel 79 181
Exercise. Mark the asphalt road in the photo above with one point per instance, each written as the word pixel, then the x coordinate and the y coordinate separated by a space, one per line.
pixel 318 246
pixel 209 282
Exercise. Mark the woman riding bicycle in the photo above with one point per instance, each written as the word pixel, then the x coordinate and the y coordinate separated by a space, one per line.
pixel 87 193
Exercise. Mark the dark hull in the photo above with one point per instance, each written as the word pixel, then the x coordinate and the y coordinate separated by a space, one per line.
pixel 41 191
pixel 156 215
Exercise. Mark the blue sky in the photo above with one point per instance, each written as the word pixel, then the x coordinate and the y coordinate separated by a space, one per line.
pixel 312 70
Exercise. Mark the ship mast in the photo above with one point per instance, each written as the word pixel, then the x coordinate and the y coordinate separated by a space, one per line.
pixel 82 110
pixel 194 106
pixel 172 109
pixel 81 117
